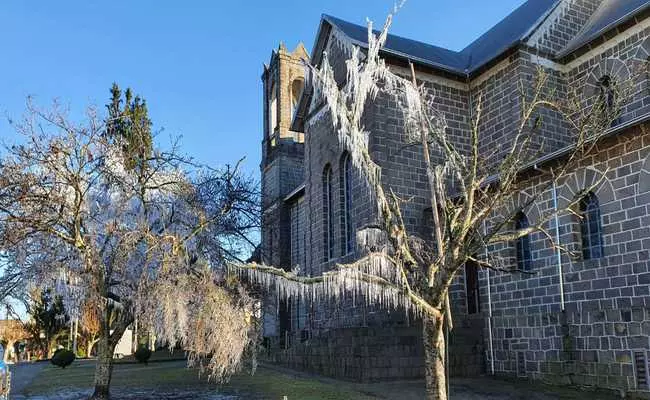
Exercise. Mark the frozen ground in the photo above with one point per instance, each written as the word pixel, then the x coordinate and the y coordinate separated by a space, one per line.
pixel 172 381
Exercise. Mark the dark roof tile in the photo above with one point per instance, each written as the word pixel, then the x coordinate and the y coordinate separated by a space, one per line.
pixel 509 32
pixel 429 54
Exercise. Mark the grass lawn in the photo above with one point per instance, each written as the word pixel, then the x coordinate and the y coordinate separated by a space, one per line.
pixel 160 379
pixel 173 376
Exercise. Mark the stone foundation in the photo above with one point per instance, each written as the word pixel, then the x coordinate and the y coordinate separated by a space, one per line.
pixel 604 348
pixel 381 353
pixel 359 354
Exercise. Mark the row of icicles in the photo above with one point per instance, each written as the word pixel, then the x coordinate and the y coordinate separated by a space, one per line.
pixel 373 280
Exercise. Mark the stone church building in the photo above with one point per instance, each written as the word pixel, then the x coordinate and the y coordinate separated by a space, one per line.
pixel 582 321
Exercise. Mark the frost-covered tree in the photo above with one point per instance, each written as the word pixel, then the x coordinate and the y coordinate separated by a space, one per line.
pixel 471 192
pixel 129 231
pixel 11 332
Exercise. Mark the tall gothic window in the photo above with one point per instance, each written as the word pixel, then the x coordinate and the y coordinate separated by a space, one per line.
pixel 590 228
pixel 524 259
pixel 328 215
pixel 345 198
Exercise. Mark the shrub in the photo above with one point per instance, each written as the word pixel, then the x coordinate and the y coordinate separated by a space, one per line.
pixel 81 353
pixel 62 358
pixel 142 354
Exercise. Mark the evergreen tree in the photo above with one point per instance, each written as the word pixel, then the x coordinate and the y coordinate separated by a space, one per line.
pixel 128 123
pixel 48 317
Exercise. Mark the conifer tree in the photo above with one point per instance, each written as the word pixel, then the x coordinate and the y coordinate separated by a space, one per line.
pixel 128 123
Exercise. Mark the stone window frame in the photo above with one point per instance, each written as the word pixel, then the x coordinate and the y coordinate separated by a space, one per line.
pixel 328 213
pixel 604 77
pixel 524 203
pixel 575 186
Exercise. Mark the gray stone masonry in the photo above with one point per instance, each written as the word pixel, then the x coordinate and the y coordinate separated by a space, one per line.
pixel 599 335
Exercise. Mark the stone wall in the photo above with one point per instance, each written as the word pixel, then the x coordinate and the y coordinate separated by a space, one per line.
pixel 563 24
pixel 604 326
pixel 593 348
pixel 605 323
pixel 360 354
pixel 382 353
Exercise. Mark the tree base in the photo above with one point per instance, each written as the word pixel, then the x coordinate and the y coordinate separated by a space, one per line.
pixel 101 393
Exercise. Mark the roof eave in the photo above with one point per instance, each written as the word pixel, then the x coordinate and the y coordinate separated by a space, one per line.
pixel 317 52
pixel 540 21
pixel 550 157
pixel 296 193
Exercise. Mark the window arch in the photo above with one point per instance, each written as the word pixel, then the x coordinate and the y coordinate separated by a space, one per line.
pixel 590 227
pixel 345 199
pixel 328 215
pixel 524 258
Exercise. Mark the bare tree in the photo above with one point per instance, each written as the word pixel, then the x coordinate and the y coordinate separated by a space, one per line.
pixel 129 232
pixel 11 332
pixel 470 193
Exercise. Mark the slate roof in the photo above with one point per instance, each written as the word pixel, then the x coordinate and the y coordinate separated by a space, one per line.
pixel 610 14
pixel 508 33
pixel 428 54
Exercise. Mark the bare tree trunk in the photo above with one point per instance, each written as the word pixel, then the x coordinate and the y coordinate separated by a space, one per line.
pixel 434 358
pixel 74 336
pixel 52 346
pixel 10 346
pixel 103 369
pixel 90 347
pixel 104 366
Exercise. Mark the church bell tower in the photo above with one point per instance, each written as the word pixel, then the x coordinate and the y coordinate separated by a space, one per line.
pixel 282 171
pixel 282 149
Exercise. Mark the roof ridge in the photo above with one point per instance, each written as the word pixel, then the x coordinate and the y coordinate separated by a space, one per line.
pixel 508 33
pixel 490 44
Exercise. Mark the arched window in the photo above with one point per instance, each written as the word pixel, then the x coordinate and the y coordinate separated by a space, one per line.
pixel 524 259
pixel 590 228
pixel 328 215
pixel 296 91
pixel 606 92
pixel 345 198
pixel 608 98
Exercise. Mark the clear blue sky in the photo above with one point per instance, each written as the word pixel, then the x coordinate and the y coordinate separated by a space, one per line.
pixel 198 63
